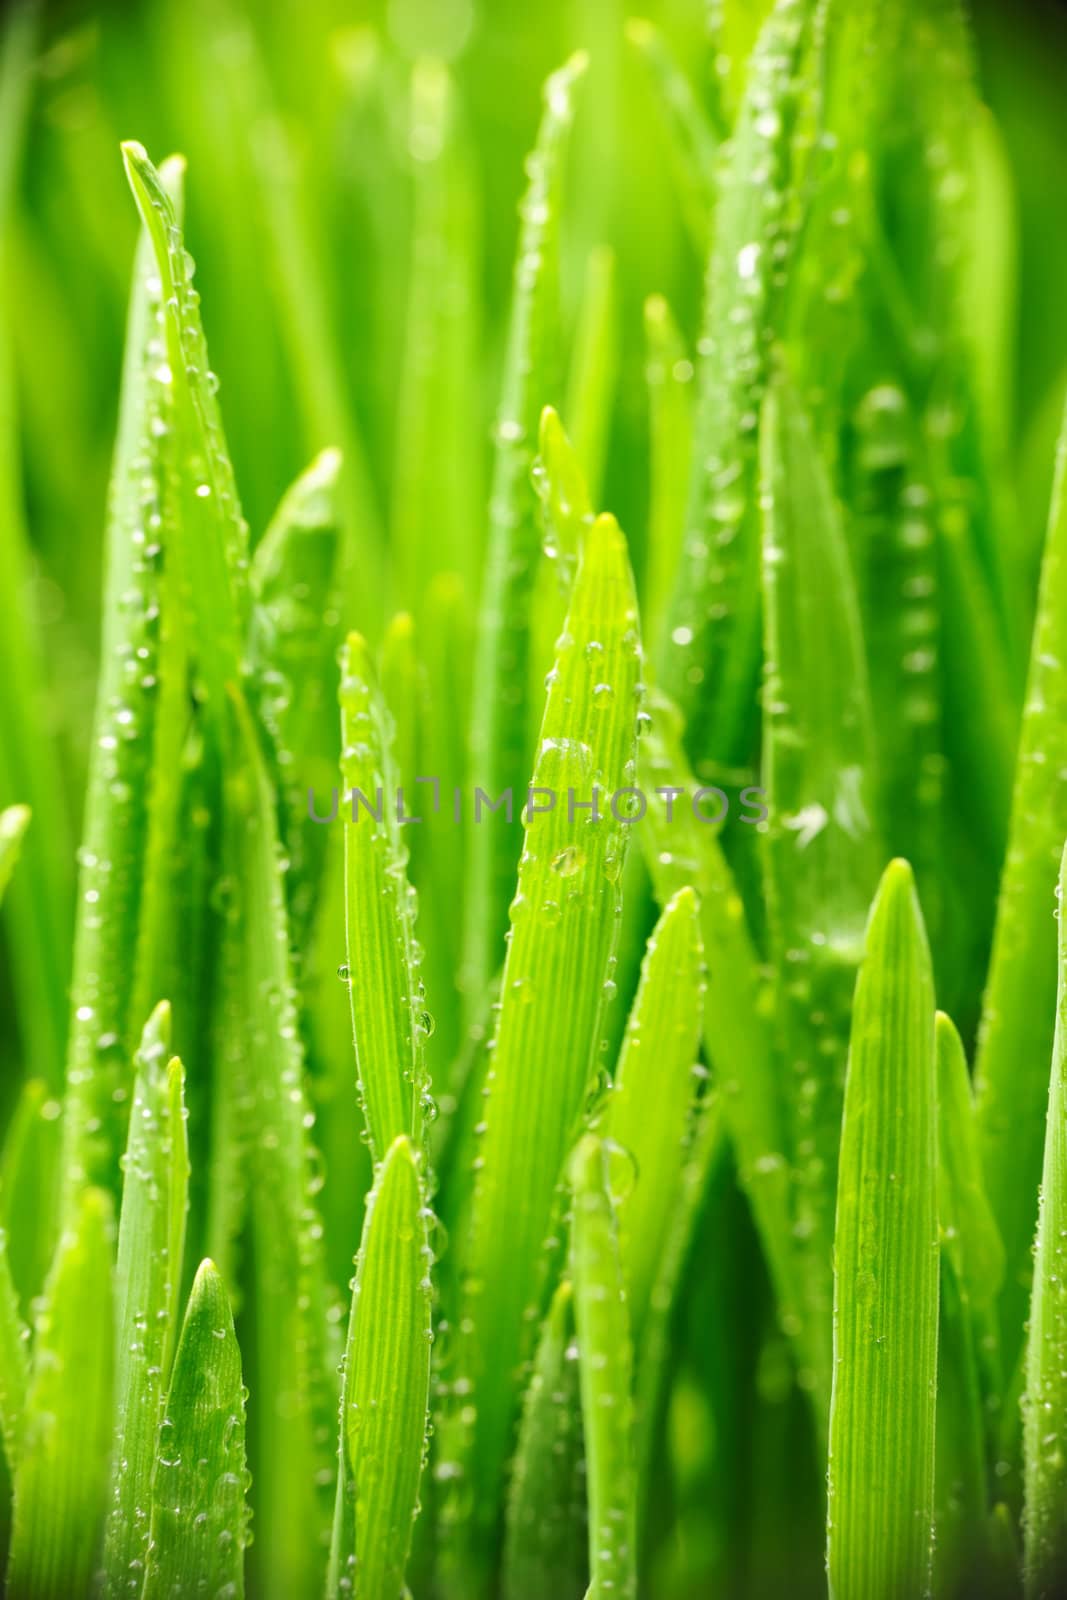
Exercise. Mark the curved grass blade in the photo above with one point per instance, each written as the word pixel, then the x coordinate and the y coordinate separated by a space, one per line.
pixel 60 1491
pixel 13 824
pixel 438 477
pixel 1018 1007
pixel 385 1391
pixel 545 1051
pixel 199 1526
pixel 592 375
pixel 651 1105
pixel 669 373
pixel 117 816
pixel 705 1149
pixel 605 1366
pixel 881 1461
pixel 214 544
pixel 148 1275
pixel 1045 1404
pixel 693 142
pixel 499 758
pixel 545 1550
pixel 387 1002
pixel 294 634
pixel 709 655
pixel 297 1349
pixel 681 851
pixel 822 856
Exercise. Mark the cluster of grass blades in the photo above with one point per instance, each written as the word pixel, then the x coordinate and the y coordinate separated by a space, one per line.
pixel 546 1072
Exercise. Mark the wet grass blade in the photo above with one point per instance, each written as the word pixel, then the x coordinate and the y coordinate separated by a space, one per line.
pixel 385 1391
pixel 214 540
pixel 545 1550
pixel 1018 1008
pixel 297 1347
pixel 116 830
pixel 682 851
pixel 822 856
pixel 881 1461
pixel 652 1101
pixel 708 658
pixel 567 514
pixel 294 634
pixel 199 1524
pixel 545 1053
pixel 13 824
pixel 388 1015
pixel 605 1365
pixel 669 374
pixel 499 757
pixel 1045 1404
pixel 148 1277
pixel 59 1491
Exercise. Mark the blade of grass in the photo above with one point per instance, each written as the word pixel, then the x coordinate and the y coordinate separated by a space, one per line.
pixel 651 1104
pixel 116 829
pixel 708 657
pixel 148 1276
pixel 295 631
pixel 545 1051
pixel 199 1525
pixel 60 1490
pixel 389 1020
pixel 605 1368
pixel 297 1348
pixel 881 1461
pixel 566 512
pixel 499 758
pixel 681 851
pixel 822 855
pixel 385 1392
pixel 545 1550
pixel 214 544
pixel 1018 1007
pixel 1045 1402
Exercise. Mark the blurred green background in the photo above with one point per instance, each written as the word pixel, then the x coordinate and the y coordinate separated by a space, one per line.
pixel 338 76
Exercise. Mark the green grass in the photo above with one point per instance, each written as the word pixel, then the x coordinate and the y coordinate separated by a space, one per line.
pixel 569 1184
